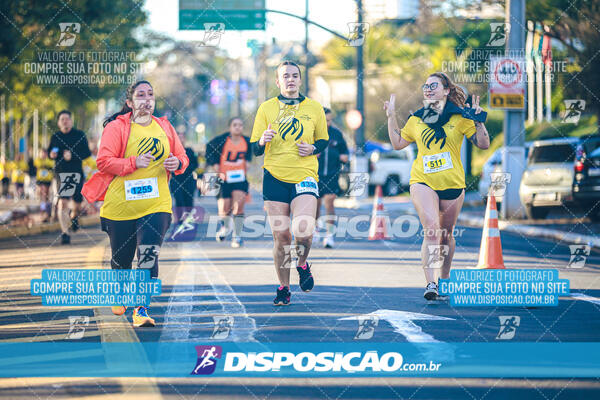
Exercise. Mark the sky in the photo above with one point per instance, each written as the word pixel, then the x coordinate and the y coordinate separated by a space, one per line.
pixel 164 18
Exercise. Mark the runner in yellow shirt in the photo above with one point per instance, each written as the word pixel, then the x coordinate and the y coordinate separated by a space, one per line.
pixel 137 155
pixel 4 177
pixel 437 179
pixel 290 130
pixel 43 179
pixel 19 169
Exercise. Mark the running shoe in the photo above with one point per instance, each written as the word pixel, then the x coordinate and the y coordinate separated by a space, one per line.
pixel 221 234
pixel 75 224
pixel 283 296
pixel 328 242
pixel 237 242
pixel 118 310
pixel 306 279
pixel 65 238
pixel 431 291
pixel 141 317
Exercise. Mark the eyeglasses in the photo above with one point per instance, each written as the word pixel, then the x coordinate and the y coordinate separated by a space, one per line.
pixel 431 86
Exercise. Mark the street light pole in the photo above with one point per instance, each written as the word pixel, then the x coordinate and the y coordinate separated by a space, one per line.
pixel 360 132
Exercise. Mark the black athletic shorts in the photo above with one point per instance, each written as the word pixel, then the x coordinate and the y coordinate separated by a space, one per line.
pixel 284 192
pixel 227 188
pixel 448 194
pixel 71 187
pixel 329 185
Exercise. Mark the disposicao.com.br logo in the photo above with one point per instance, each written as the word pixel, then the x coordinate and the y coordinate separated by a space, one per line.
pixel 322 362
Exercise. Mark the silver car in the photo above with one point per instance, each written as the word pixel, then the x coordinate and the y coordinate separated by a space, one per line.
pixel 548 178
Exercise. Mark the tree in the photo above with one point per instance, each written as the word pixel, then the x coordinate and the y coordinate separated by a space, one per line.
pixel 29 27
pixel 576 24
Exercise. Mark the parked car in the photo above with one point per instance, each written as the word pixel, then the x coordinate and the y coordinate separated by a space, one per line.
pixel 548 178
pixel 391 170
pixel 494 164
pixel 586 186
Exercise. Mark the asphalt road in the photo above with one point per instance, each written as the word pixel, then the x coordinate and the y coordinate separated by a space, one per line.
pixel 203 279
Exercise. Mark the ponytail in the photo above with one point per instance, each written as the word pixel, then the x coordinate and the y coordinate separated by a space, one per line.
pixel 457 95
pixel 125 109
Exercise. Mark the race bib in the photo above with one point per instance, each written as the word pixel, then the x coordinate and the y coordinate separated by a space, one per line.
pixel 235 176
pixel 139 189
pixel 308 185
pixel 437 162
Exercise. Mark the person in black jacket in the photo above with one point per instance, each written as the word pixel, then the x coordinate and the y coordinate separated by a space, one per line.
pixel 183 186
pixel 68 148
pixel 227 155
pixel 330 161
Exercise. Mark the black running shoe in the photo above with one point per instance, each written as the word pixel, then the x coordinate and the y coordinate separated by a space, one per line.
pixel 306 279
pixel 283 296
pixel 431 291
pixel 75 224
pixel 65 238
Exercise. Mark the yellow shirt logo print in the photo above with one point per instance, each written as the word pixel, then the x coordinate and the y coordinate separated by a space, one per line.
pixel 427 137
pixel 152 145
pixel 291 126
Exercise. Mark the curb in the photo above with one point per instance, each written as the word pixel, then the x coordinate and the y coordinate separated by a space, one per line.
pixel 20 231
pixel 536 232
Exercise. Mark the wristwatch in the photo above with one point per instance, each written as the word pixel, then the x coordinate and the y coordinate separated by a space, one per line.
pixel 314 149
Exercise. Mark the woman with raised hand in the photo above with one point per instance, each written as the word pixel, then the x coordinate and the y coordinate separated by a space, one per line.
pixel 437 178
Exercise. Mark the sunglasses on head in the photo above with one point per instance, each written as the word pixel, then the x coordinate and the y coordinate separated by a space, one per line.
pixel 431 86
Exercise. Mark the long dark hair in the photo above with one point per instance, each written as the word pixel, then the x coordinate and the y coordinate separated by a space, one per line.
pixel 457 95
pixel 125 109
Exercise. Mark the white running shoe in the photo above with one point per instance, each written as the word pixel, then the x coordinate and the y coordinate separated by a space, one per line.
pixel 328 242
pixel 221 234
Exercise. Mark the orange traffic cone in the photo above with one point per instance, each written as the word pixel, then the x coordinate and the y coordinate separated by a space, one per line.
pixel 490 254
pixel 379 220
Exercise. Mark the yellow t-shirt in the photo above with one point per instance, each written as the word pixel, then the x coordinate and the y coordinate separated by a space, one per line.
pixel 438 163
pixel 146 190
pixel 89 167
pixel 44 169
pixel 304 122
pixel 18 171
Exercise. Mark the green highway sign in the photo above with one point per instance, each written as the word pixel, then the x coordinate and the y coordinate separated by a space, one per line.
pixel 234 14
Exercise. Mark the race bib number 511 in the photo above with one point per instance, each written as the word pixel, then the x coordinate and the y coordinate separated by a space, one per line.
pixel 138 189
pixel 437 162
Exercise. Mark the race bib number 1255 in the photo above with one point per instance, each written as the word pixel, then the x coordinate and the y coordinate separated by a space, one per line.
pixel 138 189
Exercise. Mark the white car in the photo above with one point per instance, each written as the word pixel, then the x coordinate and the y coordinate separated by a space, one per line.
pixel 494 164
pixel 391 170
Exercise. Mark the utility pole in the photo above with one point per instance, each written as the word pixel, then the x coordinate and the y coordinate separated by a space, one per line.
pixel 306 79
pixel 513 158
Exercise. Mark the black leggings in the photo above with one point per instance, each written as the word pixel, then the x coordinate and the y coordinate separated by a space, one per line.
pixel 145 235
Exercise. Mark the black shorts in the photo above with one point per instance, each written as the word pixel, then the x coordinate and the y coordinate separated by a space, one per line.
pixel 227 188
pixel 43 183
pixel 447 194
pixel 329 185
pixel 71 190
pixel 284 192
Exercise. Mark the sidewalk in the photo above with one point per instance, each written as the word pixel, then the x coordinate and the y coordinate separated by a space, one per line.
pixel 561 225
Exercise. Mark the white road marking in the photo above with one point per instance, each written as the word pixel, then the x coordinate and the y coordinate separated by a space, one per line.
pixel 402 321
pixel 585 297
